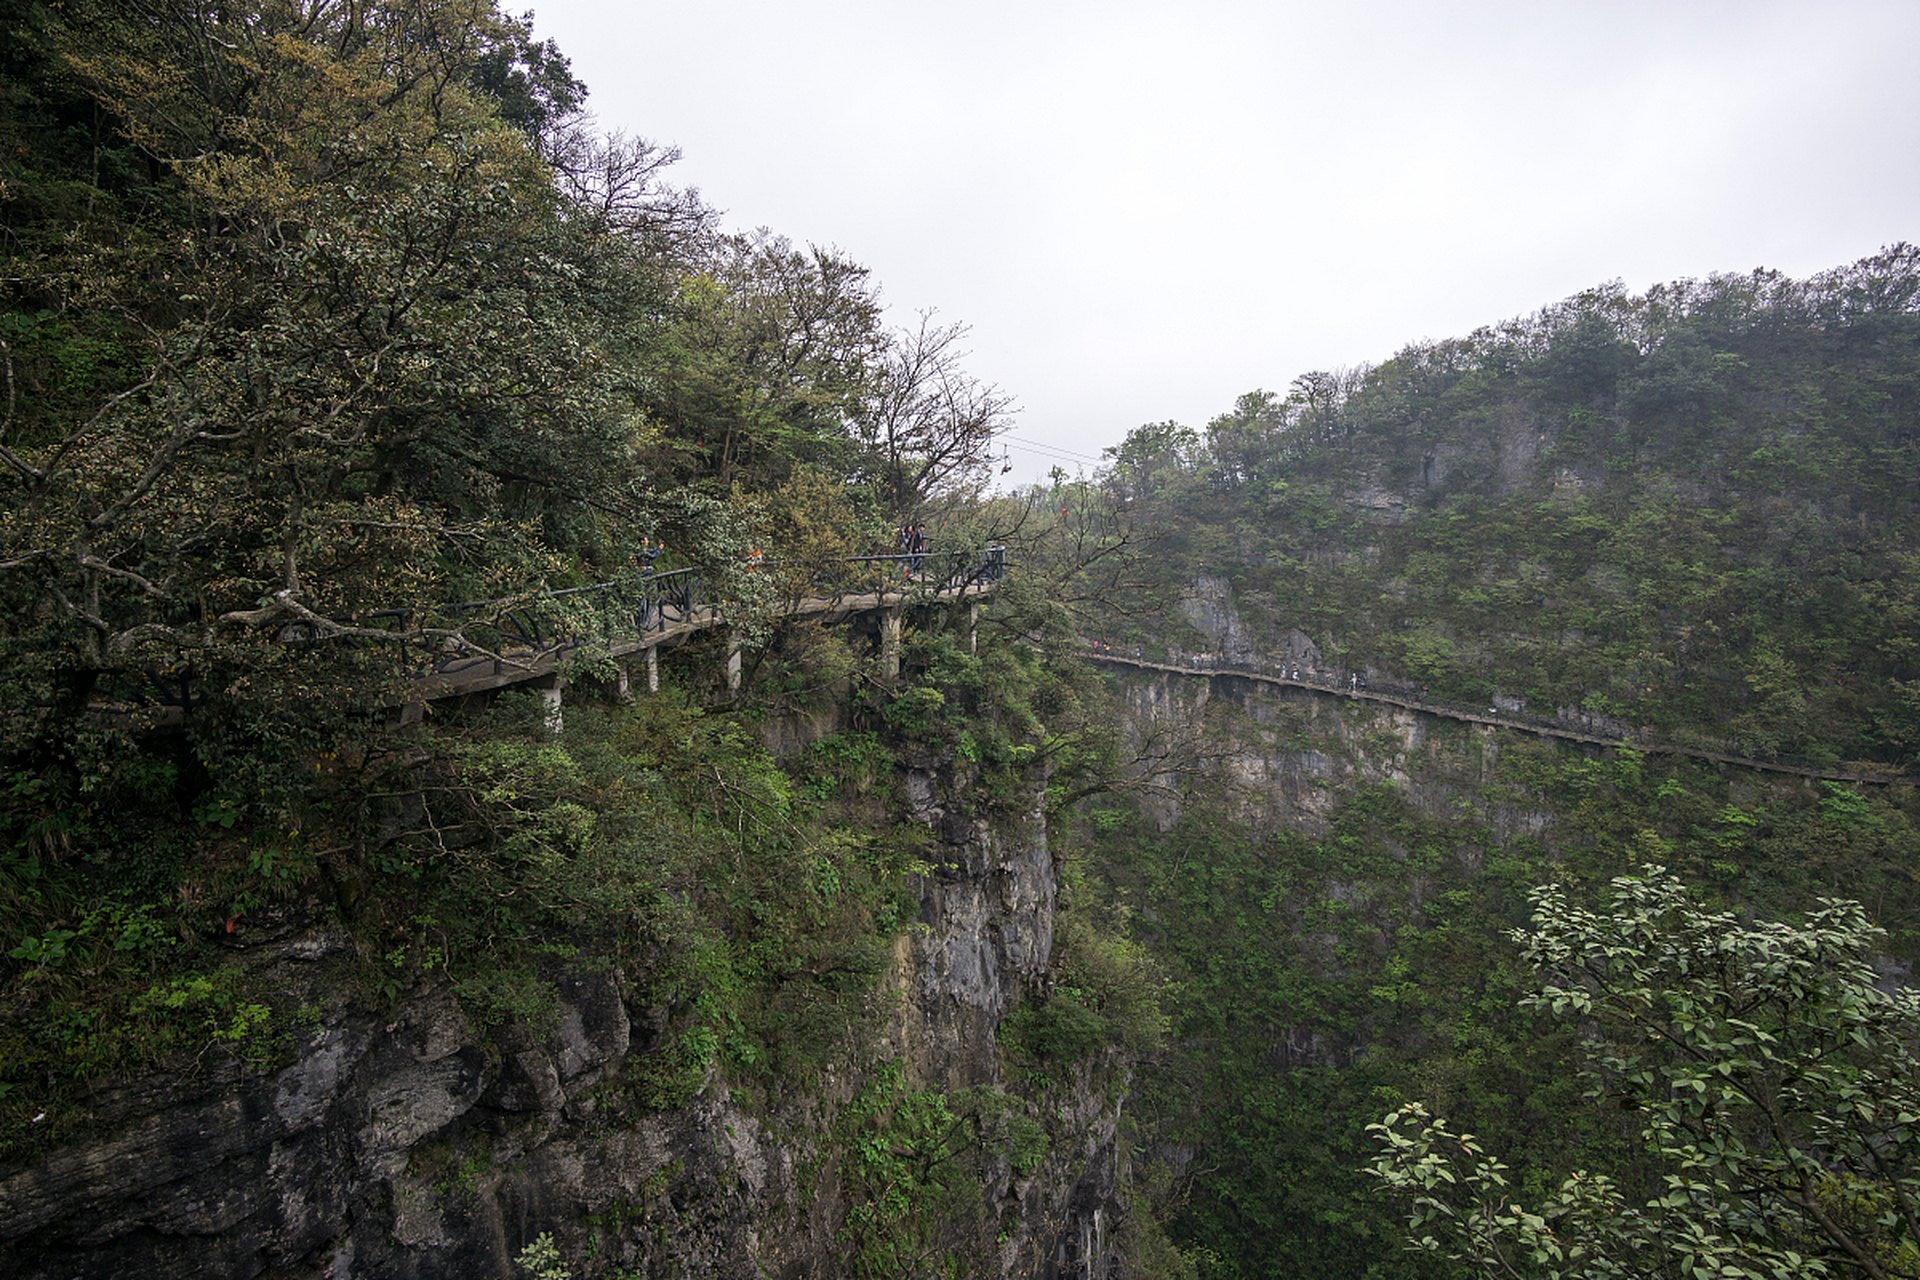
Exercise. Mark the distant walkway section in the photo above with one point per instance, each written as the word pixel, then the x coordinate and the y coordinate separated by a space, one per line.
pixel 1641 740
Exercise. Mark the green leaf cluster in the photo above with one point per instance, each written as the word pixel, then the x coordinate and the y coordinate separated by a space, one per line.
pixel 1772 1077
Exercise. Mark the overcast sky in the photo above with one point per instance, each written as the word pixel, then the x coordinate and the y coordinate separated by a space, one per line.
pixel 1144 210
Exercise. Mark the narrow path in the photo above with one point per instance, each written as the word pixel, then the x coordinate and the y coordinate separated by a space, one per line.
pixel 671 607
pixel 1647 745
pixel 464 674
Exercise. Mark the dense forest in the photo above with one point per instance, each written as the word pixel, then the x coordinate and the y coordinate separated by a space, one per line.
pixel 337 335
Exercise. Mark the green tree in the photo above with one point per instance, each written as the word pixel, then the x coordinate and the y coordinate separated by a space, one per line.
pixel 363 356
pixel 768 362
pixel 1586 359
pixel 1152 460
pixel 1775 1080
pixel 1245 441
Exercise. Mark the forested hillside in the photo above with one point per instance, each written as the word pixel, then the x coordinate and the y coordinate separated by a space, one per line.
pixel 1693 509
pixel 1684 518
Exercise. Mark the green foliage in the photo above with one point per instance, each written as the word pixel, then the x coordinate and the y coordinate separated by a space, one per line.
pixel 1772 1077
pixel 914 1161
pixel 318 326
pixel 916 710
pixel 1627 506
pixel 1322 981
pixel 196 997
pixel 1107 990
pixel 1313 977
pixel 1060 1030
pixel 902 1172
pixel 1153 459
pixel 541 1259
pixel 482 856
pixel 671 833
pixel 71 1026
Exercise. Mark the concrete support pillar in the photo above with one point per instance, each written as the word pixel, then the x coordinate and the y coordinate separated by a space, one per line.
pixel 549 689
pixel 973 626
pixel 411 713
pixel 653 668
pixel 890 643
pixel 733 663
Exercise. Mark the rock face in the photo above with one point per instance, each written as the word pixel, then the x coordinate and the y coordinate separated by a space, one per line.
pixel 410 1144
pixel 236 1173
pixel 987 913
pixel 1293 751
pixel 1208 605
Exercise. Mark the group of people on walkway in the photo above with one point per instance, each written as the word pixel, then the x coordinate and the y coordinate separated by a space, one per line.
pixel 913 545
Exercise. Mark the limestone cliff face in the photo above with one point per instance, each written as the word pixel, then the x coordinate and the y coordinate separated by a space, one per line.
pixel 987 917
pixel 987 929
pixel 410 1143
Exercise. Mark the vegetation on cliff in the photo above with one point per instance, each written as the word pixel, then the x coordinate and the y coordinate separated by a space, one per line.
pixel 334 333
pixel 1774 1077
pixel 1682 518
pixel 1691 509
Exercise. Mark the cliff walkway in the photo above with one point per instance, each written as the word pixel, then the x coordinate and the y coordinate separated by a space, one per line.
pixel 664 609
pixel 485 645
pixel 1641 740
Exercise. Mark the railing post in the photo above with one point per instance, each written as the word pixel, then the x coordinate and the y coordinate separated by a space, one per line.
pixel 550 688
pixel 672 599
pixel 890 643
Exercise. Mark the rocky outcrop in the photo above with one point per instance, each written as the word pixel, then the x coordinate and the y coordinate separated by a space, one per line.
pixel 409 1142
pixel 1291 752
pixel 312 1169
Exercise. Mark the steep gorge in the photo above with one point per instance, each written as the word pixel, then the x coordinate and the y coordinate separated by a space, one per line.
pixel 880 989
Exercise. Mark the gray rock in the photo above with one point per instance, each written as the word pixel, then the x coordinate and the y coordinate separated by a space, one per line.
pixel 412 1143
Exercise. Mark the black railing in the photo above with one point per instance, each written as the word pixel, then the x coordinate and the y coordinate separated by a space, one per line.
pixel 657 602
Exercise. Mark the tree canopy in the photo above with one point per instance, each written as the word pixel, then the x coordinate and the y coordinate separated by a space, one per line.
pixel 331 317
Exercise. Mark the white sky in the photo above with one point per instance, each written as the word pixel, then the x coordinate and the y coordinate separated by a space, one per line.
pixel 1144 210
